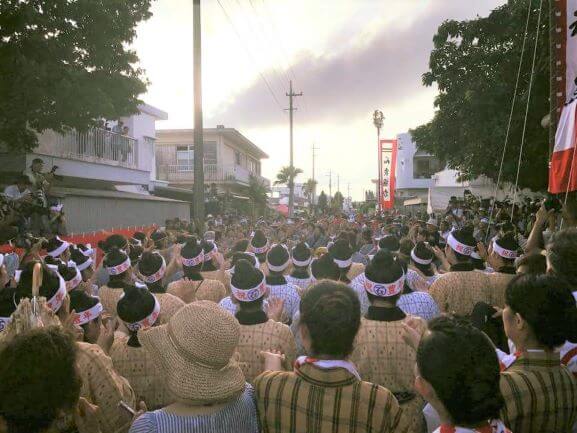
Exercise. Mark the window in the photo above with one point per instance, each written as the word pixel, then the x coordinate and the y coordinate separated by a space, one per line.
pixel 210 152
pixel 237 157
pixel 425 167
pixel 185 156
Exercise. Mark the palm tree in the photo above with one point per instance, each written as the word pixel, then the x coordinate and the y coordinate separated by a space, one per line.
pixel 257 192
pixel 286 175
pixel 309 191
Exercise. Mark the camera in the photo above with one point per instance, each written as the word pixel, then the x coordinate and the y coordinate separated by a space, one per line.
pixel 552 202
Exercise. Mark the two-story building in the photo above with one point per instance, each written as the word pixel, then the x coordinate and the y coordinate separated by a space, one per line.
pixel 415 170
pixel 230 159
pixel 105 173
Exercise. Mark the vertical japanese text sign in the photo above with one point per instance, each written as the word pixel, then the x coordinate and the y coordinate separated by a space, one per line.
pixel 388 152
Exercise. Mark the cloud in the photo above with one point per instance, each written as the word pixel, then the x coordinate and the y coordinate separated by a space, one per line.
pixel 382 72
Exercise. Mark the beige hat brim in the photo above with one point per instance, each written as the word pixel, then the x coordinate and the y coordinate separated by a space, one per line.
pixel 187 380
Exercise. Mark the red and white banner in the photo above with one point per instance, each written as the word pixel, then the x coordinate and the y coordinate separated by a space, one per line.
pixel 563 170
pixel 388 162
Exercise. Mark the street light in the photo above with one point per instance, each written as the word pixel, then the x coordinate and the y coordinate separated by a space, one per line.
pixel 378 119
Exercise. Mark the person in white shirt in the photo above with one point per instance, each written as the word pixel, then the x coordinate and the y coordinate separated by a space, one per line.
pixel 19 192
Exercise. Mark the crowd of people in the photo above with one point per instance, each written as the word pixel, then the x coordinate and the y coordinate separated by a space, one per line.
pixel 462 321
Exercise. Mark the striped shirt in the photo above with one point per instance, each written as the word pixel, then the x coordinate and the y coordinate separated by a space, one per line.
pixel 303 283
pixel 318 400
pixel 238 416
pixel 540 394
pixel 287 292
pixel 419 304
pixel 419 282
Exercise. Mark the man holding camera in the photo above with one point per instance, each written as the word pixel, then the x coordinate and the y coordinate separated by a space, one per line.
pixel 40 184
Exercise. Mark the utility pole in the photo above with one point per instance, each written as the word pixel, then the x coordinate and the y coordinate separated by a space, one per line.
pixel 198 127
pixel 330 175
pixel 338 182
pixel 378 119
pixel 291 95
pixel 314 182
pixel 348 190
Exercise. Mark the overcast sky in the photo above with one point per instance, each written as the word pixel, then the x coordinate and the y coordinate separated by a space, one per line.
pixel 348 57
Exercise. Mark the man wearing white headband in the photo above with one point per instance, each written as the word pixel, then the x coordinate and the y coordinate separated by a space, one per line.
pixel 380 354
pixel 257 331
pixel 152 269
pixel 278 260
pixel 459 290
pixel 502 255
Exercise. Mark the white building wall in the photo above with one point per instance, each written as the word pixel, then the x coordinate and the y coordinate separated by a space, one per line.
pixel 142 127
pixel 404 178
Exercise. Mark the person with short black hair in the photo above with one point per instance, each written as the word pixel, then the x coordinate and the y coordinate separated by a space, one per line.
pixel 139 310
pixel 193 286
pixel 257 331
pixel 84 261
pixel 389 243
pixel 459 290
pixel 535 264
pixel 325 390
pixel 53 287
pixel 324 268
pixel 259 245
pixel 503 252
pixel 341 253
pixel 152 271
pixel 540 393
pixel 457 372
pixel 301 257
pixel 119 268
pixel 88 317
pixel 114 241
pixel 278 260
pixel 562 256
pixel 422 272
pixel 381 327
pixel 39 381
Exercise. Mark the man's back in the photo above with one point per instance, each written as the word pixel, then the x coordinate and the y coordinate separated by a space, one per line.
pixel 319 400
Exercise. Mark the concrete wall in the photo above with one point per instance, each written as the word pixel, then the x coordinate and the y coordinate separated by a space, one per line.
pixel 87 213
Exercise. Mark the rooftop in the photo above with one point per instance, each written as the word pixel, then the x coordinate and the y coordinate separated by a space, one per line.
pixel 229 133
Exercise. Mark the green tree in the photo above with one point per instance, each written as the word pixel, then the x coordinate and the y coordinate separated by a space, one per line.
pixel 66 64
pixel 337 202
pixel 286 175
pixel 257 192
pixel 322 202
pixel 309 190
pixel 474 65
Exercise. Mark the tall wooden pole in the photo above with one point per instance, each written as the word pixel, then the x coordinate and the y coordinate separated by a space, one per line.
pixel 198 127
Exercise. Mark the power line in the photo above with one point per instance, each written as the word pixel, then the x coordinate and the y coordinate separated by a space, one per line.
pixel 260 36
pixel 249 54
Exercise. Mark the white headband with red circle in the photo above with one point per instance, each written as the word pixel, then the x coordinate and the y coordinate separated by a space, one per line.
pixel 148 321
pixel 504 252
pixel 119 269
pixel 88 315
pixel 459 247
pixel 385 290
pixel 249 295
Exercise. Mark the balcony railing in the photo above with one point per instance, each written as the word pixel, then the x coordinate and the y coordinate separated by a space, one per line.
pixel 217 173
pixel 93 145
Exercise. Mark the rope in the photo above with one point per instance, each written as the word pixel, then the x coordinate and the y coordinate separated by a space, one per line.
pixel 527 108
pixel 510 116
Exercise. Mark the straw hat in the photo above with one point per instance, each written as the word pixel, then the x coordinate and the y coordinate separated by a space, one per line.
pixel 195 350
